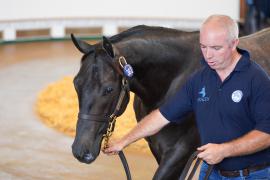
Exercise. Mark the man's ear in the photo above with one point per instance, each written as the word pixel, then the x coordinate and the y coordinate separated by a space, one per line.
pixel 107 45
pixel 82 46
pixel 235 43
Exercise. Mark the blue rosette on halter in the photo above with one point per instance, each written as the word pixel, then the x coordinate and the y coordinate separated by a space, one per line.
pixel 127 68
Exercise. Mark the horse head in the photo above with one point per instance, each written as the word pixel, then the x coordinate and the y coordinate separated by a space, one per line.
pixel 98 85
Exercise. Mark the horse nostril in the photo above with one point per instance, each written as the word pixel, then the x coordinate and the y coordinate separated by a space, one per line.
pixel 88 157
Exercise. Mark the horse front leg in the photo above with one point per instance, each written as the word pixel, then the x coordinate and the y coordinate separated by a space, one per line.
pixel 174 158
pixel 171 165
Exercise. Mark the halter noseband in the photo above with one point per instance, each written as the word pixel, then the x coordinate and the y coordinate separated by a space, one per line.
pixel 93 117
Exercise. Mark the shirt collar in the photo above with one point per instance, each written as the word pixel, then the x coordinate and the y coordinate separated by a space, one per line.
pixel 241 64
pixel 244 61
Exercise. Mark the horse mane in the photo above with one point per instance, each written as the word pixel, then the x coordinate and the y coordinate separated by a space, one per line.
pixel 143 31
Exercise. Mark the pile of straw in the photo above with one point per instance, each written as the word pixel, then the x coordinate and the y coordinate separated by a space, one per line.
pixel 57 106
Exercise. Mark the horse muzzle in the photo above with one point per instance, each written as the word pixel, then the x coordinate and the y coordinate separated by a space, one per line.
pixel 84 157
pixel 86 151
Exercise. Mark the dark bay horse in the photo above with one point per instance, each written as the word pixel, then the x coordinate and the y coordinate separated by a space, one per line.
pixel 162 59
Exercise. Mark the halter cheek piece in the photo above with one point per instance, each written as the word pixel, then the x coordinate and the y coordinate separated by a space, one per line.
pixel 127 73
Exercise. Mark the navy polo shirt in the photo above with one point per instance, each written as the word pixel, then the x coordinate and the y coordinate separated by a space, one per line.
pixel 226 110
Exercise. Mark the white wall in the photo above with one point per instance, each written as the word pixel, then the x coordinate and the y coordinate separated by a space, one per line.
pixel 198 9
pixel 57 15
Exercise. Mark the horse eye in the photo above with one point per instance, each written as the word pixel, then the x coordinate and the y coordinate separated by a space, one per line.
pixel 107 91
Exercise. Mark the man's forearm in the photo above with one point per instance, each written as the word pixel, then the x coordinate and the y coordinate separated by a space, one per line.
pixel 252 142
pixel 148 126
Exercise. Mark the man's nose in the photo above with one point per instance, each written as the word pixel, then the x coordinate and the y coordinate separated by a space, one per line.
pixel 208 53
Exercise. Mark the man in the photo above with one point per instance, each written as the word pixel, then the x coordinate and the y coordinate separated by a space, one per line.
pixel 230 96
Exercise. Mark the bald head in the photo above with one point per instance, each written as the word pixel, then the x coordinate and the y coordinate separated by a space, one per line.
pixel 219 40
pixel 221 23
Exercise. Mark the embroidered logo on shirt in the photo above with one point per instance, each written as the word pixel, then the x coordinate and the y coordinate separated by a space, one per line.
pixel 202 94
pixel 237 96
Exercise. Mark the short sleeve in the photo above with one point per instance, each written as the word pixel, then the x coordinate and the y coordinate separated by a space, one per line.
pixel 178 105
pixel 260 104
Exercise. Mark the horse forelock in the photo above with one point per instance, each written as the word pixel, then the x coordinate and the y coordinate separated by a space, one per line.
pixel 98 66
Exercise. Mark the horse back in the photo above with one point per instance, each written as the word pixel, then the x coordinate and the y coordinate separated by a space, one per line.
pixel 258 44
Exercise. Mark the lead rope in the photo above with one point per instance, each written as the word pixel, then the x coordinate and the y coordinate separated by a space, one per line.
pixel 121 153
pixel 111 126
pixel 195 167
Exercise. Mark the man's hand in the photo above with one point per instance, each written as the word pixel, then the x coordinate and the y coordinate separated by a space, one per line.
pixel 250 143
pixel 212 153
pixel 148 126
pixel 113 147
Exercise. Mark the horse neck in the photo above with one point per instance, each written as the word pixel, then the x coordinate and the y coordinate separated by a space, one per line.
pixel 159 65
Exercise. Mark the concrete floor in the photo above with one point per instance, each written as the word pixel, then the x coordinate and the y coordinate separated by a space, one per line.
pixel 28 149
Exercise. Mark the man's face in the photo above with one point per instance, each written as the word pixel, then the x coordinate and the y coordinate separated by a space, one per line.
pixel 216 47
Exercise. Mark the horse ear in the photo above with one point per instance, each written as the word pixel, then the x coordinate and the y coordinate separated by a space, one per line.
pixel 81 45
pixel 107 45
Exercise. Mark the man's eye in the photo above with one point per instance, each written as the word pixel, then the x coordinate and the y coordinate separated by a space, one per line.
pixel 203 47
pixel 217 48
pixel 107 91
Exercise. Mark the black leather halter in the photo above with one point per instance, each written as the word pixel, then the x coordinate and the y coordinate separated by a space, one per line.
pixel 93 117
pixel 110 120
pixel 105 118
